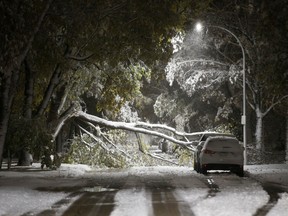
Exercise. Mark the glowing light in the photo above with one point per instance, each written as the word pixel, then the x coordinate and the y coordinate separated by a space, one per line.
pixel 198 27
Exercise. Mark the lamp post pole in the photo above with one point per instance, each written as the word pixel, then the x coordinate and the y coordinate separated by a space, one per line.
pixel 243 117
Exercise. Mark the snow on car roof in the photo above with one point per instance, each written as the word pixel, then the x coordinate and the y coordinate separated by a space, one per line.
pixel 221 138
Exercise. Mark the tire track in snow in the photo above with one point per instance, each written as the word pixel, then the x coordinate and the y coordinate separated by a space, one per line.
pixel 92 203
pixel 213 187
pixel 273 191
pixel 165 203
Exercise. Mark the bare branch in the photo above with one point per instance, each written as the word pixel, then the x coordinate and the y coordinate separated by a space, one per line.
pixel 54 81
pixel 274 104
pixel 95 138
pixel 118 149
pixel 151 155
pixel 161 158
pixel 79 58
pixel 82 140
pixel 68 114
pixel 31 39
pixel 108 140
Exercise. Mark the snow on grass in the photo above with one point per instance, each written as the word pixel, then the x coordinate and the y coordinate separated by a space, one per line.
pixel 19 200
pixel 276 173
pixel 232 202
pixel 280 209
pixel 73 170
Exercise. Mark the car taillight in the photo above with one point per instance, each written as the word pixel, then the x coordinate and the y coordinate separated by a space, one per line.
pixel 207 151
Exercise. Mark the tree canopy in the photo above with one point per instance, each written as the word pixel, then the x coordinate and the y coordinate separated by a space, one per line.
pixel 97 55
pixel 54 52
pixel 208 67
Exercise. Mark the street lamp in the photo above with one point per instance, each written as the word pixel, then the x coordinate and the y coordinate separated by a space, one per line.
pixel 199 28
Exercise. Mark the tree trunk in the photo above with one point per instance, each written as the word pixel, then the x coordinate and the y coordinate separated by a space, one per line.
pixel 29 91
pixel 54 81
pixel 25 158
pixel 259 130
pixel 286 158
pixel 59 143
pixel 54 115
pixel 8 90
pixel 9 79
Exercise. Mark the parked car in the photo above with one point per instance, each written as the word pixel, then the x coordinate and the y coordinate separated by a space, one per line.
pixel 219 153
pixel 198 140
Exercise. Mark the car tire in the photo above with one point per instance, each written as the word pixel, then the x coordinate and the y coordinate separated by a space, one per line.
pixel 202 170
pixel 240 172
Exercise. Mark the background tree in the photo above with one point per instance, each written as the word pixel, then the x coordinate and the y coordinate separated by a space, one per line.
pixel 214 63
pixel 16 42
pixel 98 48
pixel 266 79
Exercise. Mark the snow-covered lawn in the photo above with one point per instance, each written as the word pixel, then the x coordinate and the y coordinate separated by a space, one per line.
pixel 276 173
pixel 18 194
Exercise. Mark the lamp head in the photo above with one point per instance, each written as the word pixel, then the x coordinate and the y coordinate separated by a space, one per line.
pixel 198 27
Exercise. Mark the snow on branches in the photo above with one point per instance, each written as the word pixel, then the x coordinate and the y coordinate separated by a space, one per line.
pixel 137 127
pixel 199 74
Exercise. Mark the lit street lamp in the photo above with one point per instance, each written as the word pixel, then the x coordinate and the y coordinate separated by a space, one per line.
pixel 199 28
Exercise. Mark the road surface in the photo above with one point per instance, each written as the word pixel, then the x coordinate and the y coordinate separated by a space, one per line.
pixel 160 191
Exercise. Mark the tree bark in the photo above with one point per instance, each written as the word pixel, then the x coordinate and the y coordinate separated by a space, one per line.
pixel 286 158
pixel 29 91
pixel 8 90
pixel 25 157
pixel 259 130
pixel 5 111
pixel 54 115
pixel 54 81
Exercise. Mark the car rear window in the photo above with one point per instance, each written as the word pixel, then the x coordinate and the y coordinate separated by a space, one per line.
pixel 223 144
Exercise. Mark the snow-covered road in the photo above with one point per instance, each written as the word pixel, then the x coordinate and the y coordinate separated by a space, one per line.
pixel 78 190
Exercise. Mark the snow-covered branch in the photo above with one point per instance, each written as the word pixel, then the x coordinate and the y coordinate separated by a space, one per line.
pixel 150 154
pixel 201 61
pixel 160 126
pixel 138 127
pixel 135 127
pixel 99 133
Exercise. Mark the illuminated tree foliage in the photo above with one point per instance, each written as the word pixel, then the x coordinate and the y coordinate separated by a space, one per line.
pixel 208 67
pixel 67 49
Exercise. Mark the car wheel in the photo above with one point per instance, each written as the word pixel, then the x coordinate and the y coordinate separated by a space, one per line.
pixel 202 170
pixel 240 172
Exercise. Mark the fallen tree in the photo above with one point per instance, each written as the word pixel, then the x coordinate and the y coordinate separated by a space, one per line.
pixel 137 127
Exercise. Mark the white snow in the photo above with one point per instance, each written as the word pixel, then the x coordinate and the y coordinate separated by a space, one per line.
pixel 18 194
pixel 136 197
pixel 17 200
pixel 276 173
pixel 281 206
pixel 232 199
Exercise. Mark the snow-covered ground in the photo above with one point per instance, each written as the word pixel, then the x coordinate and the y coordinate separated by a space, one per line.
pixel 18 194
